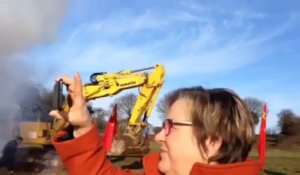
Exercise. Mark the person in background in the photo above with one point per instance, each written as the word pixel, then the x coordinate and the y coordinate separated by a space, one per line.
pixel 144 135
pixel 8 154
pixel 205 132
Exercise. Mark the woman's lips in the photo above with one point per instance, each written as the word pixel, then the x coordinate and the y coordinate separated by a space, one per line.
pixel 163 150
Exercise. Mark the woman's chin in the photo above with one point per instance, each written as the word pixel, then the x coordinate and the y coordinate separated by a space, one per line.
pixel 163 166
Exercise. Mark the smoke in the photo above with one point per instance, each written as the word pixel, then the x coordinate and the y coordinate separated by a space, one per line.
pixel 24 24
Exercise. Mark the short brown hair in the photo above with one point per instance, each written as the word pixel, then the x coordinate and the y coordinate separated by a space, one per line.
pixel 218 113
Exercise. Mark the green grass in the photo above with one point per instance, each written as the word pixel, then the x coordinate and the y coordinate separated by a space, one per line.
pixel 278 162
pixel 281 162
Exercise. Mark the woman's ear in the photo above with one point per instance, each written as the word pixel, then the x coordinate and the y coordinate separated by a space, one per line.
pixel 213 146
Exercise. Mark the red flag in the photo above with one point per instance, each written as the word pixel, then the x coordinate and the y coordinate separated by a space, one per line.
pixel 111 130
pixel 262 137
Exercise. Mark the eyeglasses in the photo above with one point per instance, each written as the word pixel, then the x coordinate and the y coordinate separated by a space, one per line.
pixel 169 123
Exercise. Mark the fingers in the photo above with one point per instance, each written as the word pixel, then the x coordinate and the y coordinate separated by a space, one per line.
pixel 66 80
pixel 78 94
pixel 74 88
pixel 58 115
pixel 78 85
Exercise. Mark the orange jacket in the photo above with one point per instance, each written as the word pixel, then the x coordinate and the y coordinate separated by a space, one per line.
pixel 85 156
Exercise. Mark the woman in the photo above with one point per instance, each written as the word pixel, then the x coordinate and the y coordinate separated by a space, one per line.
pixel 206 132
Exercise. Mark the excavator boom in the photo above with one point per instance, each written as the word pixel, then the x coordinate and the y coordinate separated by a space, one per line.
pixel 149 82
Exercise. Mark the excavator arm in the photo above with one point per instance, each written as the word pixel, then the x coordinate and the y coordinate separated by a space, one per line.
pixel 103 84
pixel 149 84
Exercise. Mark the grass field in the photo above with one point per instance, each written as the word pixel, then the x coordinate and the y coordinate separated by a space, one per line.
pixel 278 162
pixel 281 162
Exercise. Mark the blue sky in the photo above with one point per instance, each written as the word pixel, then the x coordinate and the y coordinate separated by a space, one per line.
pixel 249 46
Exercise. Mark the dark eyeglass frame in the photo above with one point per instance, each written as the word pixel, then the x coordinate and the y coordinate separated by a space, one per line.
pixel 168 124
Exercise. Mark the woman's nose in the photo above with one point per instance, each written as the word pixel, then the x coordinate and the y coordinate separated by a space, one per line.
pixel 160 137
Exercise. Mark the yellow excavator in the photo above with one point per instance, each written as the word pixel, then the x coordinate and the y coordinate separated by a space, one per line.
pixel 102 85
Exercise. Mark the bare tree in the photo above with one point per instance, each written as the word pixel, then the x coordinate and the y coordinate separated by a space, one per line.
pixel 289 123
pixel 255 106
pixel 122 125
pixel 98 115
pixel 161 106
pixel 151 128
pixel 125 105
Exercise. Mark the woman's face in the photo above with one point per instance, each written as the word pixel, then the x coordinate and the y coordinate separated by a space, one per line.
pixel 179 149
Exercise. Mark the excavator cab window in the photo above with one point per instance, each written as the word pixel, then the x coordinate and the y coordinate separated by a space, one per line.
pixel 93 77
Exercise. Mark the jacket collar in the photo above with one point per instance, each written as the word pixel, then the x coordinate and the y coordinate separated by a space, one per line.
pixel 249 167
pixel 150 164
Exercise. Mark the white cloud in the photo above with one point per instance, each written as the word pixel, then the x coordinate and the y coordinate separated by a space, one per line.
pixel 25 24
pixel 120 24
pixel 200 47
